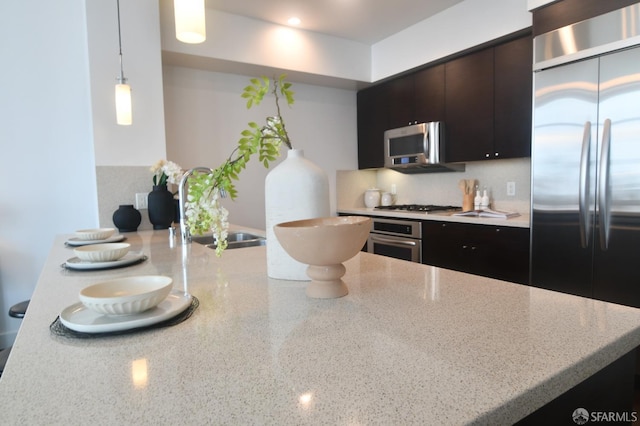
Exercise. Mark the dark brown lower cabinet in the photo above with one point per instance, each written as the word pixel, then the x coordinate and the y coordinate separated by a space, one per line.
pixel 500 252
pixel 604 398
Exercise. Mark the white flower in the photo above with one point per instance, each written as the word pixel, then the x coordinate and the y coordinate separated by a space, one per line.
pixel 158 166
pixel 209 210
pixel 166 172
pixel 173 171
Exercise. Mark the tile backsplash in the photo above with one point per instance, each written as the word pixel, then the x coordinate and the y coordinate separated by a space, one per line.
pixel 442 188
pixel 118 185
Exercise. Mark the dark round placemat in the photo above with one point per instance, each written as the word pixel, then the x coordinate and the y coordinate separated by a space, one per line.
pixel 60 330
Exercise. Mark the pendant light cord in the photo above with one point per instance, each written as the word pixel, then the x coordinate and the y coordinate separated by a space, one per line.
pixel 121 79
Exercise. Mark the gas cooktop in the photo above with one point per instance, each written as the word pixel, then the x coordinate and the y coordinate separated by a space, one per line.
pixel 420 208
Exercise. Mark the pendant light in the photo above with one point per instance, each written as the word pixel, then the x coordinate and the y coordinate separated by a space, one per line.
pixel 123 90
pixel 190 21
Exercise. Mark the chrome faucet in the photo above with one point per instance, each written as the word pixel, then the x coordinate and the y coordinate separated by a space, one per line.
pixel 185 234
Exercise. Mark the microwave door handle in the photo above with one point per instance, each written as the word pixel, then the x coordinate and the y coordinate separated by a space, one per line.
pixel 433 135
pixel 604 195
pixel 583 206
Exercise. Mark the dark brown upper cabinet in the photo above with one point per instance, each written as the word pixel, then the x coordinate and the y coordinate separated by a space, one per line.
pixel 488 99
pixel 513 77
pixel 483 98
pixel 401 104
pixel 373 120
pixel 469 107
pixel 429 94
pixel 417 97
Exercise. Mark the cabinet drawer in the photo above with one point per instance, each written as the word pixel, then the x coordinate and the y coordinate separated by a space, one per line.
pixel 491 251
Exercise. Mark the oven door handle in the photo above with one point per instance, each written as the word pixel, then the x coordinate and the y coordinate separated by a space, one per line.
pixel 379 239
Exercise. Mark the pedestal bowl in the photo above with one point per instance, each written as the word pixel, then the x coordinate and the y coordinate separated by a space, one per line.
pixel 323 244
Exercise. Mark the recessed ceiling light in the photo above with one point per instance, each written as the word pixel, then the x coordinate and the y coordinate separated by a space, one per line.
pixel 294 21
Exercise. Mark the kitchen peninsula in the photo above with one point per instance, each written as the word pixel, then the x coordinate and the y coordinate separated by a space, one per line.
pixel 409 344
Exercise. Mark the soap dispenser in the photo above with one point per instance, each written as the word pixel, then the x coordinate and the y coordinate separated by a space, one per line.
pixel 484 201
pixel 477 200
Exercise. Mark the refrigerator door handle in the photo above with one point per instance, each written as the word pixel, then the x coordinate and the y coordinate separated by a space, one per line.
pixel 604 196
pixel 583 207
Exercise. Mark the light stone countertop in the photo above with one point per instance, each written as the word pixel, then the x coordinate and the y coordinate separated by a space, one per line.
pixel 410 344
pixel 521 221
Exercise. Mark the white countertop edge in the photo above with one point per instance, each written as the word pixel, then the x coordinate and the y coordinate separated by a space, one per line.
pixel 521 221
pixel 555 385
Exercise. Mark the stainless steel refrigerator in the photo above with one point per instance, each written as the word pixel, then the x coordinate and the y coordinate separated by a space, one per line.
pixel 585 217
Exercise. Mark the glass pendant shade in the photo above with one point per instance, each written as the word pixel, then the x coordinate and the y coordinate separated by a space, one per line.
pixel 190 21
pixel 123 104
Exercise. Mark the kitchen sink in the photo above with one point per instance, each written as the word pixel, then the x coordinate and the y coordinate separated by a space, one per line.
pixel 234 240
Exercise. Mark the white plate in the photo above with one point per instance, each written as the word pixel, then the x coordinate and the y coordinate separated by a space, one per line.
pixel 128 259
pixel 78 242
pixel 78 317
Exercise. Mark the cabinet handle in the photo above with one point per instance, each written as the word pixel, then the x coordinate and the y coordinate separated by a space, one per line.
pixel 392 241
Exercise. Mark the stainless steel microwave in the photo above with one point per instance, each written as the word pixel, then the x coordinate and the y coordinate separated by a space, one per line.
pixel 417 148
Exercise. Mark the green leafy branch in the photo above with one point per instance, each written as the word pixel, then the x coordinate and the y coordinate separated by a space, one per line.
pixel 274 132
pixel 203 210
pixel 265 140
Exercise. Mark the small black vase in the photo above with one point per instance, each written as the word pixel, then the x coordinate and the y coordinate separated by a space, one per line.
pixel 161 208
pixel 126 218
pixel 176 204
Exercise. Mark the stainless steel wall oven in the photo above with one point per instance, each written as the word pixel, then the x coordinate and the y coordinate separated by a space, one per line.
pixel 397 238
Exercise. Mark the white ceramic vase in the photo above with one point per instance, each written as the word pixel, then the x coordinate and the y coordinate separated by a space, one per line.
pixel 372 197
pixel 295 189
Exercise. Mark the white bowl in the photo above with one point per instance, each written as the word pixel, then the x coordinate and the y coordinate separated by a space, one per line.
pixel 102 252
pixel 126 296
pixel 95 234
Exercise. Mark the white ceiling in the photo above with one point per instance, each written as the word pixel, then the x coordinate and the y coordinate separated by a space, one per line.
pixel 365 21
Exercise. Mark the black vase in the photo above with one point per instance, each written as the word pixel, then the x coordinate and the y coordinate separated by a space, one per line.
pixel 126 218
pixel 176 203
pixel 161 208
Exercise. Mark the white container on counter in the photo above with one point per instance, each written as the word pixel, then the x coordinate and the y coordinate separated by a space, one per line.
pixel 387 199
pixel 295 189
pixel 372 197
pixel 484 201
